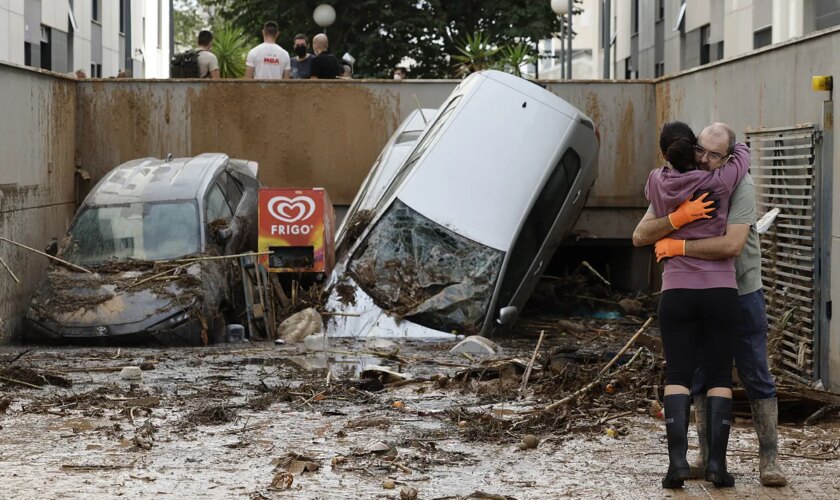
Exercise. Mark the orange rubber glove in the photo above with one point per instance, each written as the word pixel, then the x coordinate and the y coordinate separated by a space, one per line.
pixel 692 210
pixel 669 247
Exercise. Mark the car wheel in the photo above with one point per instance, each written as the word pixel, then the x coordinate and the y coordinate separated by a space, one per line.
pixel 218 328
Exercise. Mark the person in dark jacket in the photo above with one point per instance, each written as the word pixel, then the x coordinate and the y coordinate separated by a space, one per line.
pixel 324 66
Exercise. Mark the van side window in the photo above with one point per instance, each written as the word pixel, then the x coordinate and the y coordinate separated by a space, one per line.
pixel 217 205
pixel 232 190
pixel 538 224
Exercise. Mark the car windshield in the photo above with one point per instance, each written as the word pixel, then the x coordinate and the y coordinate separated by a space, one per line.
pixel 142 231
pixel 423 272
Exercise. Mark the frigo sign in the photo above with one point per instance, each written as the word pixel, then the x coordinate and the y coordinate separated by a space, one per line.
pixel 292 212
pixel 296 230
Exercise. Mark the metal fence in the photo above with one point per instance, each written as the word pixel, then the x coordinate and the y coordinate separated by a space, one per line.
pixel 784 165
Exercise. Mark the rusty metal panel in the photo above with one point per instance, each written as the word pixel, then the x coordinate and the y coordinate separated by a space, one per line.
pixel 785 168
pixel 625 114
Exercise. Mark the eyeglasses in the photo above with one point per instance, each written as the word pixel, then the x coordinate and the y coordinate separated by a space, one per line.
pixel 700 151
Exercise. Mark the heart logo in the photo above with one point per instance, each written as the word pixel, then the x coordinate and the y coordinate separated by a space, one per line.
pixel 291 209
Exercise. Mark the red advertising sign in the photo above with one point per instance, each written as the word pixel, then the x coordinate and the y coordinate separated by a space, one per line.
pixel 296 226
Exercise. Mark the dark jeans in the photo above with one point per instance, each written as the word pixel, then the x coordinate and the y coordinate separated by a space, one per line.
pixel 750 351
pixel 699 327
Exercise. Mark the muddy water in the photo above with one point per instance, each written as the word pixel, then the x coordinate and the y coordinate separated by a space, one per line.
pixel 52 446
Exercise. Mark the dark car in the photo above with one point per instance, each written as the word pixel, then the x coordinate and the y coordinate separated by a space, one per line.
pixel 139 231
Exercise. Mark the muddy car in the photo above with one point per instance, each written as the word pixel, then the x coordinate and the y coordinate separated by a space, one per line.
pixel 384 169
pixel 136 231
pixel 467 225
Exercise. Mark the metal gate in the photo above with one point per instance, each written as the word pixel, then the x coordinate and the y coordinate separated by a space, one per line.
pixel 784 166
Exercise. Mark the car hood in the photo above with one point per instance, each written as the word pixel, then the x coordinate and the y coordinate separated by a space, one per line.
pixel 74 299
pixel 353 313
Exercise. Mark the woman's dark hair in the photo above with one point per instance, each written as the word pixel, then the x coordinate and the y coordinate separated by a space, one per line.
pixel 676 141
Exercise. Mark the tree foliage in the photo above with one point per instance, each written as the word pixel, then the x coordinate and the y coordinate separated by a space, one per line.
pixel 230 45
pixel 187 22
pixel 380 34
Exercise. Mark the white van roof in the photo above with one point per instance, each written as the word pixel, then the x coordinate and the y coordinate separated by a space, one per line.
pixel 480 175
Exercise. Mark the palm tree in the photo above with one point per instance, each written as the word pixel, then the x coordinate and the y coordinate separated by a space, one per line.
pixel 514 57
pixel 476 54
pixel 230 45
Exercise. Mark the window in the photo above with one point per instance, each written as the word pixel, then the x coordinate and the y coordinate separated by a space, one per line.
pixel 659 69
pixel 143 231
pixel 660 10
pixel 634 17
pixel 537 226
pixel 423 272
pixel 720 50
pixel 763 37
pixel 232 190
pixel 122 16
pixel 160 24
pixel 680 24
pixel 217 205
pixel 704 45
pixel 96 10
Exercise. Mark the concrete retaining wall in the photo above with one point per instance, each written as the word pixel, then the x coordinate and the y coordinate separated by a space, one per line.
pixel 327 133
pixel 37 200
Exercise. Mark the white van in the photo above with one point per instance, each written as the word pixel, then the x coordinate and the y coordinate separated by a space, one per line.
pixel 474 214
pixel 384 169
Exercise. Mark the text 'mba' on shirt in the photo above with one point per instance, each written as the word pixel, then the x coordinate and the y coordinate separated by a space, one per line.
pixel 269 60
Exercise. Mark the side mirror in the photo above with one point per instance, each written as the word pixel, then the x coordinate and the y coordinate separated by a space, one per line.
pixel 52 248
pixel 507 315
pixel 224 234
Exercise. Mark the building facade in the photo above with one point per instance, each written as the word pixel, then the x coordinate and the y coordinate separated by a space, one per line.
pixel 100 37
pixel 652 38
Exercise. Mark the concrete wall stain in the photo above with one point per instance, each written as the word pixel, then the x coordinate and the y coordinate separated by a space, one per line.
pixel 38 150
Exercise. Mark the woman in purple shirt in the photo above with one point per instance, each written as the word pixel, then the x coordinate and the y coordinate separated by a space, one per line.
pixel 698 310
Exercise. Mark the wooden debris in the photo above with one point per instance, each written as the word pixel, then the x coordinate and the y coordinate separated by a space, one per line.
pixel 74 266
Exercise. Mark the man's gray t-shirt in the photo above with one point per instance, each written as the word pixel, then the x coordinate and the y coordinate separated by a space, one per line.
pixel 207 62
pixel 742 211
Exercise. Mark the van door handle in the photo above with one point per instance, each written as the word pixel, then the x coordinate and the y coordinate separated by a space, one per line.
pixel 577 196
pixel 537 270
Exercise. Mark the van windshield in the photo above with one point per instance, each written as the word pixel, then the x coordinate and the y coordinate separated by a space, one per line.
pixel 421 271
pixel 142 231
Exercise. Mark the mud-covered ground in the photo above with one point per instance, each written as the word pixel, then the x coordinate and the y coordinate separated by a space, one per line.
pixel 245 420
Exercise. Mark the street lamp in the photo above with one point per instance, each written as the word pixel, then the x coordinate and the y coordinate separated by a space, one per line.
pixel 324 15
pixel 564 8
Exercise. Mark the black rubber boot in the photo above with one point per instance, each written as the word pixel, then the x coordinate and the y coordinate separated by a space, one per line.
pixel 718 418
pixel 677 411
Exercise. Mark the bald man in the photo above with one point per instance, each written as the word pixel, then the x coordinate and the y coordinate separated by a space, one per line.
pixel 325 66
pixel 713 149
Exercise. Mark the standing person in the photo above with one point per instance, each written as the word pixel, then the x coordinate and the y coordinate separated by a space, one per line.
pixel 691 289
pixel 268 61
pixel 741 241
pixel 302 62
pixel 400 73
pixel 208 64
pixel 324 65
